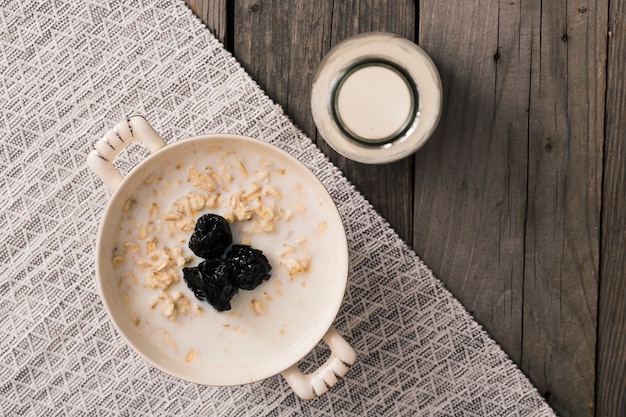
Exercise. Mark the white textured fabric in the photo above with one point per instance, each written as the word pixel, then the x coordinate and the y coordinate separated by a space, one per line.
pixel 69 70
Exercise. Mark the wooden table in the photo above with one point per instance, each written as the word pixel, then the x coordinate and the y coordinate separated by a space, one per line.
pixel 518 202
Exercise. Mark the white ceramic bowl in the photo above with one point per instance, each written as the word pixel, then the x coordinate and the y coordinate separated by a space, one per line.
pixel 270 328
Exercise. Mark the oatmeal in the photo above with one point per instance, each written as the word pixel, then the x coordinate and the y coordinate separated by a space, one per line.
pixel 267 207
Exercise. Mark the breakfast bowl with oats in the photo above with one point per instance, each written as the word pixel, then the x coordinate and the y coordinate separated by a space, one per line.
pixel 221 259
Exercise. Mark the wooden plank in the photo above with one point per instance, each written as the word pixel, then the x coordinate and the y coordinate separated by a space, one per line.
pixel 214 14
pixel 611 386
pixel 470 186
pixel 566 130
pixel 281 45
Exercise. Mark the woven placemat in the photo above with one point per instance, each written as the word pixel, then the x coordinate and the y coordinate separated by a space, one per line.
pixel 69 71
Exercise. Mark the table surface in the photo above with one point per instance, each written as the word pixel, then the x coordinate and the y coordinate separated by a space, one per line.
pixel 517 201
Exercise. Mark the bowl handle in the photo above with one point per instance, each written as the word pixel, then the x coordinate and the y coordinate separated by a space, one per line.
pixel 309 386
pixel 134 128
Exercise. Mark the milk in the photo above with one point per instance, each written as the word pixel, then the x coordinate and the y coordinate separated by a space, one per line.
pixel 374 103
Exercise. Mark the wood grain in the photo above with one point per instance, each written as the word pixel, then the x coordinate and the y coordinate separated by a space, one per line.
pixel 611 385
pixel 280 44
pixel 565 140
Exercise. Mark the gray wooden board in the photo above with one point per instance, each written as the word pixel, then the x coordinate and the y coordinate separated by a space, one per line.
pixel 611 383
pixel 563 212
pixel 504 203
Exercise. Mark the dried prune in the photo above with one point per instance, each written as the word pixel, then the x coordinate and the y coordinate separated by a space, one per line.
pixel 217 279
pixel 211 236
pixel 212 281
pixel 250 266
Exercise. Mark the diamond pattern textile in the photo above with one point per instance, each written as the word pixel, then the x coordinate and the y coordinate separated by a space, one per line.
pixel 70 70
